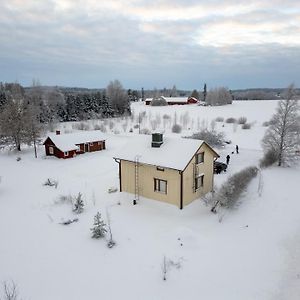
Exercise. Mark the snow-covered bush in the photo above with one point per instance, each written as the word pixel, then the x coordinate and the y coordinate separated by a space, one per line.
pixel 176 128
pixel 10 291
pixel 246 126
pixel 212 137
pixel 145 131
pixel 78 204
pixel 219 119
pixel 242 120
pixel 266 123
pixel 99 229
pixel 269 158
pixel 100 127
pixel 159 102
pixel 81 126
pixel 232 189
pixel 230 120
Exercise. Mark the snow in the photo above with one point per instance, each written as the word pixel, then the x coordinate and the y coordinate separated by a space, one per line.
pixel 254 253
pixel 171 99
pixel 174 153
pixel 67 142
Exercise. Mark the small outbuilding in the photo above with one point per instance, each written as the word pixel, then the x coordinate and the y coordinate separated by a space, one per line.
pixel 69 145
pixel 172 170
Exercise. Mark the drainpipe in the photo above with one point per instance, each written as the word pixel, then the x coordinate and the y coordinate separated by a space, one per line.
pixel 181 189
pixel 120 174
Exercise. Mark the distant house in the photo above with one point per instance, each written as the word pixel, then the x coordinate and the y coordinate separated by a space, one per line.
pixel 176 171
pixel 174 100
pixel 69 145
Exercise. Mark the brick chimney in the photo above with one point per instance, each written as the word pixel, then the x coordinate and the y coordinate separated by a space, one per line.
pixel 57 132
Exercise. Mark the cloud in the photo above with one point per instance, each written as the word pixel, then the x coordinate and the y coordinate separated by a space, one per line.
pixel 148 42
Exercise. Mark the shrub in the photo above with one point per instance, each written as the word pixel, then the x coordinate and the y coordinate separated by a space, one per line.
pixel 159 102
pixel 81 126
pixel 269 158
pixel 145 131
pixel 246 126
pixel 176 128
pixel 231 191
pixel 100 127
pixel 136 126
pixel 219 119
pixel 230 120
pixel 242 120
pixel 51 182
pixel 211 137
pixel 266 124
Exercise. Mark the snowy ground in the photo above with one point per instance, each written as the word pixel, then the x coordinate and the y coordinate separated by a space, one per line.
pixel 254 253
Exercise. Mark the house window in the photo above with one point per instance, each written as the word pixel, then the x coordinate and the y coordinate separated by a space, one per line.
pixel 199 180
pixel 200 158
pixel 160 186
pixel 91 144
pixel 99 143
pixel 160 169
pixel 51 150
pixel 66 153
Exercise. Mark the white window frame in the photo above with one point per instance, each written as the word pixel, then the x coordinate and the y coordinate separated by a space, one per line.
pixel 198 161
pixel 66 153
pixel 51 150
pixel 160 186
pixel 197 178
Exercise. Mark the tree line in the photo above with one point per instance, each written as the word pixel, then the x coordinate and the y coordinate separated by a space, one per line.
pixel 24 112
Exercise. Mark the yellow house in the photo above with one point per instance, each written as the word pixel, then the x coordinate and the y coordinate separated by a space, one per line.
pixel 176 171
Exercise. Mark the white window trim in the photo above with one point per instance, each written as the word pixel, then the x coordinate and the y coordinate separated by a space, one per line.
pixel 159 187
pixel 51 150
pixel 66 153
pixel 196 180
pixel 201 162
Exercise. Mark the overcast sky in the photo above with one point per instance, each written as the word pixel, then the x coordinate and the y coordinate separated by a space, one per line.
pixel 87 43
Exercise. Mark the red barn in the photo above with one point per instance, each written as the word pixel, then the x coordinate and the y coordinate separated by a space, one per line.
pixel 69 145
pixel 174 100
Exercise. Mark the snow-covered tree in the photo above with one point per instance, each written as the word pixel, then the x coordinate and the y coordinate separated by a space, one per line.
pixel 78 204
pixel 283 135
pixel 99 229
pixel 219 96
pixel 118 97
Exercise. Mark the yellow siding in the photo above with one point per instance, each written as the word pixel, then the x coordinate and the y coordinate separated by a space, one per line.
pixel 188 176
pixel 147 173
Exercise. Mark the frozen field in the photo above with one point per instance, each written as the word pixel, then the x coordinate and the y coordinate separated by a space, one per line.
pixel 254 253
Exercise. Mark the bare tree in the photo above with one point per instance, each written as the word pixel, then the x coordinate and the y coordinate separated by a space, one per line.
pixel 219 96
pixel 117 97
pixel 12 122
pixel 10 291
pixel 283 135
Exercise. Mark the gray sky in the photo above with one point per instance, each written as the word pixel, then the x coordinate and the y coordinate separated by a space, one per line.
pixel 239 44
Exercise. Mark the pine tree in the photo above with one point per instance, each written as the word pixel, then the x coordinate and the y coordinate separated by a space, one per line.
pixel 78 205
pixel 99 230
pixel 204 92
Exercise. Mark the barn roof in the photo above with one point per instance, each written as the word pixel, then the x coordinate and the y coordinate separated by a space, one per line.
pixel 174 153
pixel 67 142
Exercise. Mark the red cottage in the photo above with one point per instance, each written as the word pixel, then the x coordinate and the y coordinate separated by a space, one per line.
pixel 69 145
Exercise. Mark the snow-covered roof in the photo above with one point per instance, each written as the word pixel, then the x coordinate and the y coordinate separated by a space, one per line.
pixel 171 99
pixel 174 153
pixel 67 142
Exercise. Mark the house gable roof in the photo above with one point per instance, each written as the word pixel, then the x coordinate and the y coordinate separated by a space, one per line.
pixel 68 142
pixel 174 153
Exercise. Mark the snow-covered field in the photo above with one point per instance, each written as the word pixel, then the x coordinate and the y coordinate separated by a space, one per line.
pixel 254 253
